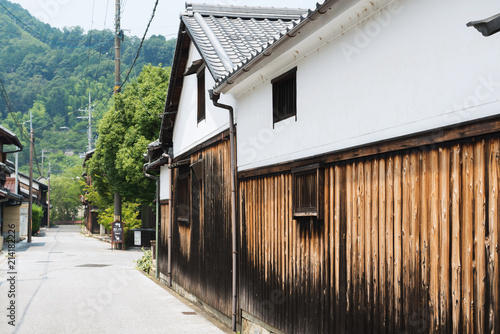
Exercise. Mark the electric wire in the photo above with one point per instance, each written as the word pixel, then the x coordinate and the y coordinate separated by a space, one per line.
pixel 140 45
pixel 45 39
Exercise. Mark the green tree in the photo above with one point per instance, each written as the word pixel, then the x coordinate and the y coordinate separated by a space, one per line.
pixel 124 133
pixel 65 194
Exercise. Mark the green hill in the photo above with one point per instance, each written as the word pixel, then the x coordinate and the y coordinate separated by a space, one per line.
pixel 51 72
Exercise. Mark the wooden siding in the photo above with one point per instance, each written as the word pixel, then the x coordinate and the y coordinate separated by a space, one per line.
pixel 409 242
pixel 163 239
pixel 201 247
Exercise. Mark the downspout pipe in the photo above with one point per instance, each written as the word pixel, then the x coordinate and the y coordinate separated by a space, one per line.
pixel 157 196
pixel 215 98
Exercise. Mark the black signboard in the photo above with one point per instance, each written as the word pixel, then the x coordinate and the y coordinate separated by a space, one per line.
pixel 117 233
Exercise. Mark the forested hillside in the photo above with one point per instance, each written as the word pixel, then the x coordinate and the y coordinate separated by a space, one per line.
pixel 51 72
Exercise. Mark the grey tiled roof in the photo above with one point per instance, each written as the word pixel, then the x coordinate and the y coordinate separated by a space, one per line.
pixel 228 36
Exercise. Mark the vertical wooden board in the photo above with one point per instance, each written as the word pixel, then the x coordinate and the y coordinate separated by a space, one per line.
pixel 405 241
pixel 334 248
pixel 261 241
pixel 278 247
pixel 424 237
pixel 255 254
pixel 349 248
pixel 434 240
pixel 455 238
pixel 368 303
pixel 494 227
pixel 444 243
pixel 278 251
pixel 327 251
pixel 480 237
pixel 398 305
pixel 307 269
pixel 356 251
pixel 296 261
pixel 375 248
pixel 266 231
pixel 414 240
pixel 382 247
pixel 328 305
pixel 467 238
pixel 389 244
pixel 360 209
pixel 288 258
pixel 342 249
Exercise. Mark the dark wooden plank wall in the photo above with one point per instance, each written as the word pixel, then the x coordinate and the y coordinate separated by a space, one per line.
pixel 409 242
pixel 201 249
pixel 163 239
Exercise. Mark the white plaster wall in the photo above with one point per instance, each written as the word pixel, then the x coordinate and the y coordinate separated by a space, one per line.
pixel 165 183
pixel 188 133
pixel 409 69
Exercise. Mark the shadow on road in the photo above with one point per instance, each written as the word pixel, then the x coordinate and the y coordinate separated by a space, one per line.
pixel 26 246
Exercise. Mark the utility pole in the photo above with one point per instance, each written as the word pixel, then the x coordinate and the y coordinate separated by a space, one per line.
pixel 118 34
pixel 48 200
pixel 89 110
pixel 30 203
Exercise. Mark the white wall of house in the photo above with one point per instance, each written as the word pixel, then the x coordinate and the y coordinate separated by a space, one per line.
pixel 17 216
pixel 188 133
pixel 165 183
pixel 413 66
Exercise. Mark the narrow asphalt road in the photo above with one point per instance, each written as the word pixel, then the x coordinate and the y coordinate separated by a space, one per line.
pixel 64 282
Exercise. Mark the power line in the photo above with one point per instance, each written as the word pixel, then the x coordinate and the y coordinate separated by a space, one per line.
pixel 140 45
pixel 90 41
pixel 9 107
pixel 100 50
pixel 27 28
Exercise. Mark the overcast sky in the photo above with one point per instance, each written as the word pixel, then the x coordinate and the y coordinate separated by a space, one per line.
pixel 135 13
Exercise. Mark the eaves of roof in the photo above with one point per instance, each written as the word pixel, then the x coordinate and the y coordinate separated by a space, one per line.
pixel 9 138
pixel 175 86
pixel 228 36
pixel 6 195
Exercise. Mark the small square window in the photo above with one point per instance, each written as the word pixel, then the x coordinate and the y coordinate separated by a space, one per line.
pixel 285 96
pixel 201 95
pixel 307 191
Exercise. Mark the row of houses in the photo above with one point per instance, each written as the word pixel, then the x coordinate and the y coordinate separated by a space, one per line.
pixel 335 169
pixel 14 190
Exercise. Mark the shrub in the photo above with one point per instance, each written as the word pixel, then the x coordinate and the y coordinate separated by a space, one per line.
pixel 36 216
pixel 145 262
pixel 130 211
